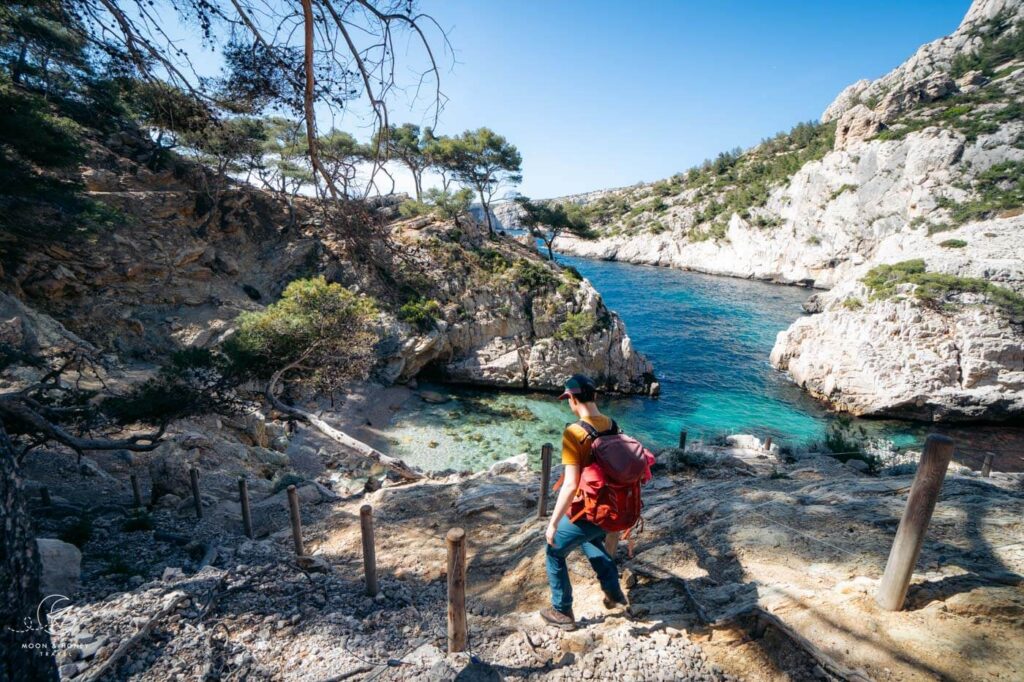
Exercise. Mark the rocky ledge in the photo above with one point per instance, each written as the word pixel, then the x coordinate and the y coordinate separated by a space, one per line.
pixel 927 163
pixel 942 346
pixel 473 308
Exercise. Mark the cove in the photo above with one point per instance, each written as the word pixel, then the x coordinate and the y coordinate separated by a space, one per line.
pixel 709 338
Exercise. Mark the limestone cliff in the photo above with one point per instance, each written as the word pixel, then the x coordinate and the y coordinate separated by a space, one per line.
pixel 183 262
pixel 927 163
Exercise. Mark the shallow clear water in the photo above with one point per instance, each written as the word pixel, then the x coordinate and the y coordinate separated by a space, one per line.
pixel 709 339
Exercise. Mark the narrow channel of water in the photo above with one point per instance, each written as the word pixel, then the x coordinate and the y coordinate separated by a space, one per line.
pixel 709 339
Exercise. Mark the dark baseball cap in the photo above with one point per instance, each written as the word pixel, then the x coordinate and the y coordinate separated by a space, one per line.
pixel 581 386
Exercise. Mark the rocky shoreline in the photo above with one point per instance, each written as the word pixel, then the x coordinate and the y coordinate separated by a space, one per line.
pixel 924 166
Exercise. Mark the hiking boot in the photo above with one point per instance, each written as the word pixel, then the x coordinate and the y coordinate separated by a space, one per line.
pixel 613 600
pixel 553 616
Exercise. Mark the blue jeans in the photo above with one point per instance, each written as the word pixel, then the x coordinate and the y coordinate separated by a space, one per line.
pixel 569 536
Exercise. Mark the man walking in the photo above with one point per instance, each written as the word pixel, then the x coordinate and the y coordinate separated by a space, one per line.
pixel 564 534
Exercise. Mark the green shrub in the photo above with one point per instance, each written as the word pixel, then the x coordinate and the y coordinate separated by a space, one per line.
pixel 571 279
pixel 412 208
pixel 767 222
pixel 933 287
pixel 998 188
pixel 953 243
pixel 995 50
pixel 420 312
pixel 117 565
pixel 577 326
pixel 325 326
pixel 853 303
pixel 492 260
pixel 814 240
pixel 532 275
pixel 846 187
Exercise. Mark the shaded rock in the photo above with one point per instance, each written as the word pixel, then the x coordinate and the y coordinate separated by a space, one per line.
pixel 61 567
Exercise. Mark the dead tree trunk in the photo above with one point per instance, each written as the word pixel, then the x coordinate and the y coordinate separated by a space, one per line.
pixel 24 642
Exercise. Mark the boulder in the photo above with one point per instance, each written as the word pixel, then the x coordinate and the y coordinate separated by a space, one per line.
pixel 433 397
pixel 856 125
pixel 168 471
pixel 61 567
pixel 511 465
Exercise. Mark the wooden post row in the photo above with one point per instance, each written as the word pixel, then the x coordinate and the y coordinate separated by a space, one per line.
pixel 193 474
pixel 986 467
pixel 545 480
pixel 369 551
pixel 906 547
pixel 457 633
pixel 136 491
pixel 243 498
pixel 293 509
pixel 768 444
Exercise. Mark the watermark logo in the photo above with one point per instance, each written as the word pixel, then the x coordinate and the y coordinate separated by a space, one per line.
pixel 52 615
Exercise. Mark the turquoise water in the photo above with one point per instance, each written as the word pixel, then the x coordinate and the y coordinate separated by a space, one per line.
pixel 709 339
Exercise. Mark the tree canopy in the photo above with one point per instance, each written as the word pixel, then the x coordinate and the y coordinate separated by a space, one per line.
pixel 485 161
pixel 548 220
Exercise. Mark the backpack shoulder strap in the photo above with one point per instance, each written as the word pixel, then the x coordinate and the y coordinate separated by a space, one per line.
pixel 591 432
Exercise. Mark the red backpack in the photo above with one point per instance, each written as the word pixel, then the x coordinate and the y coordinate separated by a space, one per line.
pixel 609 490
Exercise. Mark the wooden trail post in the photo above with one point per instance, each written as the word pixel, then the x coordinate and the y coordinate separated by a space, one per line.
pixel 986 467
pixel 768 444
pixel 193 474
pixel 457 633
pixel 44 496
pixel 136 491
pixel 924 493
pixel 682 440
pixel 293 508
pixel 545 480
pixel 243 498
pixel 369 552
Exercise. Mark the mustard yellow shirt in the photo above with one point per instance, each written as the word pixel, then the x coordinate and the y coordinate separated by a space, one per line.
pixel 576 445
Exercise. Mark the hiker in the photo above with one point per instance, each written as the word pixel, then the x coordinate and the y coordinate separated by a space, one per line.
pixel 598 496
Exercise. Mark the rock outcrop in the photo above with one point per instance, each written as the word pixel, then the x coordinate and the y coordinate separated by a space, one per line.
pixel 926 164
pixel 183 265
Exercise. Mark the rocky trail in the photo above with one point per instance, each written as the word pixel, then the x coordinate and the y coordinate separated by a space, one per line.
pixel 751 565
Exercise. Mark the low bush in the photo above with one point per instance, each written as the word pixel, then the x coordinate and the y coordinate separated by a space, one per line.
pixel 577 326
pixel 420 312
pixel 934 287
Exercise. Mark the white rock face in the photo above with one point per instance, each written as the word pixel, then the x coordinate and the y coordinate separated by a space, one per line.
pixel 900 357
pixel 930 57
pixel 873 201
pixel 508 339
pixel 836 212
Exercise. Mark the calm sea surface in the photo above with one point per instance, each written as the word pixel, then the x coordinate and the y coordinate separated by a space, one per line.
pixel 709 339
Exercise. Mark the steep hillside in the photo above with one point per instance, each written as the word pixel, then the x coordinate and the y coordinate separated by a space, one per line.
pixel 924 163
pixel 181 263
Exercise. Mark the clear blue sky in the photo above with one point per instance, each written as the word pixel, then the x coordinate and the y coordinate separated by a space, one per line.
pixel 601 94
